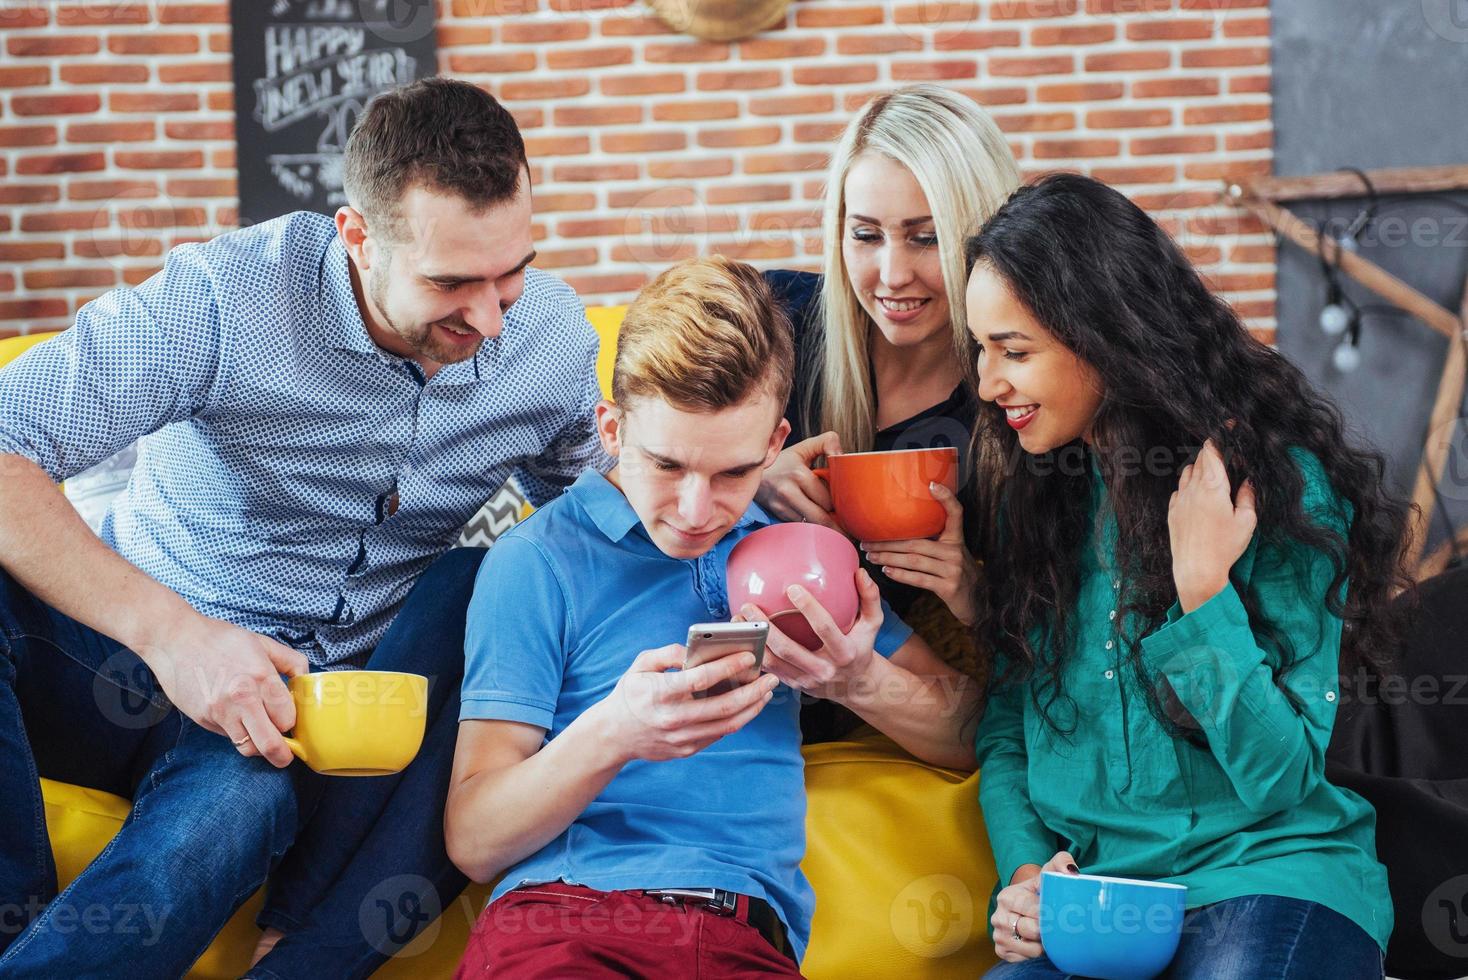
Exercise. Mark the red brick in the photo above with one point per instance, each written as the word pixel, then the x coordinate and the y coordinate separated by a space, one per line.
pixel 222 159
pixel 642 84
pixel 753 251
pixel 1227 169
pixel 199 129
pixel 1250 254
pixel 819 132
pixel 1190 143
pixel 142 217
pixel 101 14
pixel 152 101
pixel 1036 122
pixel 55 105
pixel 1262 140
pixel 104 74
pixel 1175 200
pixel 543 32
pixel 643 142
pixel 492 62
pixel 51 46
pixel 689 169
pixel 699 111
pixel 1171 88
pixel 527 118
pixel 1076 149
pixel 1078 34
pixel 60 163
pixel 834 74
pixel 549 88
pixel 764 49
pixel 1129 60
pixel 776 163
pixel 1128 118
pixel 582 6
pixel 547 203
pixel 52 220
pixel 1128 6
pixel 592 228
pixel 219 42
pixel 494 8
pixel 1249 84
pixel 19 17
pixel 602 115
pixel 13 193
pixel 69 278
pixel 564 258
pixel 1225 57
pixel 1031 9
pixel 806 219
pixel 1002 95
pixel 1205 115
pixel 26 75
pixel 1055 64
pixel 1217 5
pixel 792 105
pixel 863 44
pixel 655 253
pixel 1079 92
pixel 464 35
pixel 935 12
pixel 217 71
pixel 927 71
pixel 748 193
pixel 1252 27
pixel 617 282
pixel 30 251
pixel 153 43
pixel 720 81
pixel 746 136
pixel 559 145
pixel 135 277
pixel 1170 30
pixel 159 159
pixel 33 309
pixel 1152 174
pixel 585 172
pixel 664 196
pixel 588 57
pixel 208 187
pixel 844 16
pixel 27 135
pixel 103 190
pixel 634 27
pixel 193 13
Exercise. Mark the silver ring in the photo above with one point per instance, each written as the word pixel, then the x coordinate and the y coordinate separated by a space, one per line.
pixel 1014 928
pixel 241 741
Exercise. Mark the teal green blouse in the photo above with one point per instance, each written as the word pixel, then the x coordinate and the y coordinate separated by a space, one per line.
pixel 1252 812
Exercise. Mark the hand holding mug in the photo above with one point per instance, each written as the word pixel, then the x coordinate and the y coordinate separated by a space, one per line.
pixel 943 565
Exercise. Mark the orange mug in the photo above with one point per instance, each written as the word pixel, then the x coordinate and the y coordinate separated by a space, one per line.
pixel 884 496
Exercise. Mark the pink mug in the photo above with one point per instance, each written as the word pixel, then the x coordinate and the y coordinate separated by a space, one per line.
pixel 822 561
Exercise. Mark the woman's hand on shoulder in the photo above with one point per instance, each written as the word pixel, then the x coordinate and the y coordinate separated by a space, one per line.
pixel 790 491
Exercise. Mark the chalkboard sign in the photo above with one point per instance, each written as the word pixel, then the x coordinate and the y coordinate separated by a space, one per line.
pixel 303 71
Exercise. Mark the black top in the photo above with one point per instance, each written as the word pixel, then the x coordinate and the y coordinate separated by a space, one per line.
pixel 948 423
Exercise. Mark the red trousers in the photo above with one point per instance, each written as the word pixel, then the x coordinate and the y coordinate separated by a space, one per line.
pixel 555 931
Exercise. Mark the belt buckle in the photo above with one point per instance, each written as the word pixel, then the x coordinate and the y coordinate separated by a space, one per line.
pixel 716 900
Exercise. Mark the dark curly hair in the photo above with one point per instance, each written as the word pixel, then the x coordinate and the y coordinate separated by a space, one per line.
pixel 1177 367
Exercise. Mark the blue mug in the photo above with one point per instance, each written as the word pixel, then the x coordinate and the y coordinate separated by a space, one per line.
pixel 1110 928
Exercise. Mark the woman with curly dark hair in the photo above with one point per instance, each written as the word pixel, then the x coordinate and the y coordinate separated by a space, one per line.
pixel 1184 554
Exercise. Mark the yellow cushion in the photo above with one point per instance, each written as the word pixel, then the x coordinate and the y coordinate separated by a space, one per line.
pixel 899 858
pixel 607 320
pixel 13 347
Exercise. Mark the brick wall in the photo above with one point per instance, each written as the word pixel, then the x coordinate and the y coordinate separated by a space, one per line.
pixel 116 138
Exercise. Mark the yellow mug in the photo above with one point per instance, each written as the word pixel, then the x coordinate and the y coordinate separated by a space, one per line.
pixel 358 722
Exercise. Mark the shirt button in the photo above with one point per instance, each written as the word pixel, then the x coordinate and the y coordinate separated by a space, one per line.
pixel 1330 695
pixel 1110 674
pixel 1111 615
pixel 1116 583
pixel 1108 644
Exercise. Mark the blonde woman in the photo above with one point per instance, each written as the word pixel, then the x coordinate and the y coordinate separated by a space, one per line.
pixel 881 338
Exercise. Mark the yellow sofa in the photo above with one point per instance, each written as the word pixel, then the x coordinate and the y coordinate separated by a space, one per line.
pixel 896 851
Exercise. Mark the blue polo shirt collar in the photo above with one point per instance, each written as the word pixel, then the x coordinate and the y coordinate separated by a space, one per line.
pixel 614 516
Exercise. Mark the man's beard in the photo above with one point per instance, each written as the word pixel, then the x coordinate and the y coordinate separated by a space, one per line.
pixel 420 338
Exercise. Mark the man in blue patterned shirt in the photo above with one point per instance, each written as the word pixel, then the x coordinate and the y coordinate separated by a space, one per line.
pixel 322 406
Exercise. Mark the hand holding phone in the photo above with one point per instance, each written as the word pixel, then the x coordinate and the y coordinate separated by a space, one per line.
pixel 708 642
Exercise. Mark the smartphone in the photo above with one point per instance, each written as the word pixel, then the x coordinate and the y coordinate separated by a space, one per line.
pixel 710 641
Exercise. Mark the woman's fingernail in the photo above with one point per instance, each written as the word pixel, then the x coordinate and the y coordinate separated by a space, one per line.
pixel 1073 869
pixel 795 592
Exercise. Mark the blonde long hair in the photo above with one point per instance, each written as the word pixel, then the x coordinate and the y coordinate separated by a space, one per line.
pixel 960 159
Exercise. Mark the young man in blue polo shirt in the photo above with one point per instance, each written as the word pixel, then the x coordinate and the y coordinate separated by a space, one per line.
pixel 640 830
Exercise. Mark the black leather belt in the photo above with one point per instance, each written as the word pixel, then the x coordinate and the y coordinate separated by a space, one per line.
pixel 760 913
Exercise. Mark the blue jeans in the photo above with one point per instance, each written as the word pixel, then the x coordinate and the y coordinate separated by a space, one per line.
pixel 1256 937
pixel 207 824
